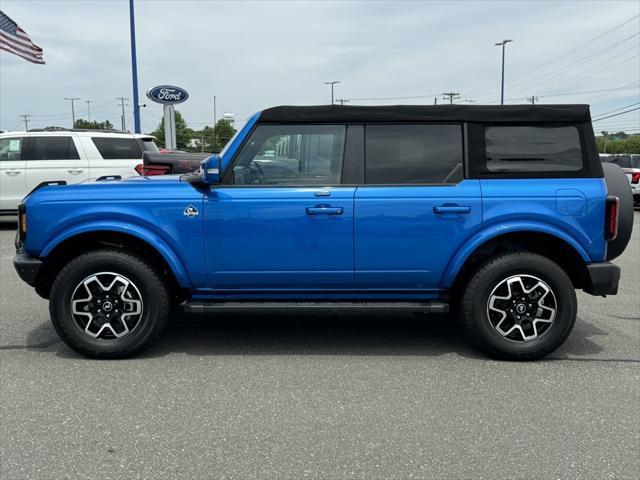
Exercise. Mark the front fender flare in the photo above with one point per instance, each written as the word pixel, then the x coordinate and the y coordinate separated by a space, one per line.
pixel 463 254
pixel 133 230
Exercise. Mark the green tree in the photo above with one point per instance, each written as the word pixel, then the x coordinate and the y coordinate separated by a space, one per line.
pixel 222 133
pixel 86 124
pixel 183 132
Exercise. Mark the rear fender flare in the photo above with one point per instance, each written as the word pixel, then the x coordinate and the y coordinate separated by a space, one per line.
pixel 463 254
pixel 137 231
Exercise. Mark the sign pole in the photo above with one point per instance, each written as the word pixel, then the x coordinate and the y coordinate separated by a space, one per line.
pixel 134 71
pixel 169 127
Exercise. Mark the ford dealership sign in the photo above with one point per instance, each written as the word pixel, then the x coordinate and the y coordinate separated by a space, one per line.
pixel 167 94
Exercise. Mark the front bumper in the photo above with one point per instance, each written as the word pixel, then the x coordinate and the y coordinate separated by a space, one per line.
pixel 603 278
pixel 27 267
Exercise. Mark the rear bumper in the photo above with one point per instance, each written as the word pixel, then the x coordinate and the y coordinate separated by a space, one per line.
pixel 27 267
pixel 603 278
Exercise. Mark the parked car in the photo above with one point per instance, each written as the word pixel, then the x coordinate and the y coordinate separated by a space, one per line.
pixel 630 165
pixel 169 163
pixel 498 213
pixel 54 154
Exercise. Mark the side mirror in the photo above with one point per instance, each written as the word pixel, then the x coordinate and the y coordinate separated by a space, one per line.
pixel 211 169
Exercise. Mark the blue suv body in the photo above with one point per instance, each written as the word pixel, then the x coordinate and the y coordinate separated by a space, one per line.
pixel 499 213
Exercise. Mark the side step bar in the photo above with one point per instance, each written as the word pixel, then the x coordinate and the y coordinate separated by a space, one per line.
pixel 267 306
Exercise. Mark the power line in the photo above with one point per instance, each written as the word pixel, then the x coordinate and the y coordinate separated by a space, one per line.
pixel 567 68
pixel 595 69
pixel 574 49
pixel 616 114
pixel 615 110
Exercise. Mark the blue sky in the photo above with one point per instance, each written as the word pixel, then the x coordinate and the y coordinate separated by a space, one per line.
pixel 252 55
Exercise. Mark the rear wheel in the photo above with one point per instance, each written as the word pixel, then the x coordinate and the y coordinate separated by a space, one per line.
pixel 519 306
pixel 109 304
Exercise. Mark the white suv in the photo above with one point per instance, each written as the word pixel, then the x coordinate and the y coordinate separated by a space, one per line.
pixel 30 158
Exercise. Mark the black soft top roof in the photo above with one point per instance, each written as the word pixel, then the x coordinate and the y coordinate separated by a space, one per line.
pixel 425 113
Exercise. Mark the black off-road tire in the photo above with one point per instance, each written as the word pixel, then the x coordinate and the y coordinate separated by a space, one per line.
pixel 149 283
pixel 476 296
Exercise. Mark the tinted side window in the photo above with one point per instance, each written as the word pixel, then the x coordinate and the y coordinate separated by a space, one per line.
pixel 149 145
pixel 532 149
pixel 52 148
pixel 413 154
pixel 10 148
pixel 117 148
pixel 624 161
pixel 291 155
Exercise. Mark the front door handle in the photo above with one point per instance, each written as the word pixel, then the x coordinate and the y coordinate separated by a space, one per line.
pixel 444 209
pixel 13 172
pixel 324 210
pixel 75 170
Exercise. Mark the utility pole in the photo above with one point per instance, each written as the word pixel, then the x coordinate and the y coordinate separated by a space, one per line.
pixel 451 96
pixel 88 109
pixel 435 100
pixel 342 100
pixel 532 99
pixel 502 44
pixel 122 104
pixel 332 83
pixel 73 111
pixel 26 122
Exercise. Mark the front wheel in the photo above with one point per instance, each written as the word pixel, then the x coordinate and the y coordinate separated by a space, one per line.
pixel 108 304
pixel 519 306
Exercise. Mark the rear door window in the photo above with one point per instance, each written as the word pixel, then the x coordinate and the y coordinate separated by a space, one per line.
pixel 521 149
pixel 413 154
pixel 52 148
pixel 11 148
pixel 117 148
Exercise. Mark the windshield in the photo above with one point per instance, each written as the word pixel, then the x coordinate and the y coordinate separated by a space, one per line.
pixel 226 147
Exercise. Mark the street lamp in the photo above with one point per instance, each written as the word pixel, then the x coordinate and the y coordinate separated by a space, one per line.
pixel 502 44
pixel 332 83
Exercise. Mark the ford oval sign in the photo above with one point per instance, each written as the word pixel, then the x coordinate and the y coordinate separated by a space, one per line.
pixel 167 94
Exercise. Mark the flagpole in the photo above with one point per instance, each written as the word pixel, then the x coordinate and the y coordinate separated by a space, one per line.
pixel 134 70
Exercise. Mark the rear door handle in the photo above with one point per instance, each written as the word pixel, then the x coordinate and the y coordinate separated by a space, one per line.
pixel 75 170
pixel 324 210
pixel 444 209
pixel 13 172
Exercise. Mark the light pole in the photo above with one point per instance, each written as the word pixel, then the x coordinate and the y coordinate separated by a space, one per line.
pixel 502 44
pixel 134 70
pixel 88 110
pixel 332 83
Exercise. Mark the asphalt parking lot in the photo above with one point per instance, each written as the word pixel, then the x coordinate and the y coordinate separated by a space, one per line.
pixel 320 396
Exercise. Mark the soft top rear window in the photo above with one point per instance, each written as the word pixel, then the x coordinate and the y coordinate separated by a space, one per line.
pixel 522 149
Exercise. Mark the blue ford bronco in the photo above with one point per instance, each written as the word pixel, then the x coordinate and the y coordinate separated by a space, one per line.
pixel 496 213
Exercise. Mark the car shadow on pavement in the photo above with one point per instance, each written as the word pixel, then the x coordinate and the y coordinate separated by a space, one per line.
pixel 326 333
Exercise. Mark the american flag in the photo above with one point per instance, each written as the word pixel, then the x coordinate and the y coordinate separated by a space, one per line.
pixel 15 40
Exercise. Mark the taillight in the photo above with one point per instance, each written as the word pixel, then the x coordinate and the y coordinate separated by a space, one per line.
pixel 148 170
pixel 22 222
pixel 635 177
pixel 611 218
